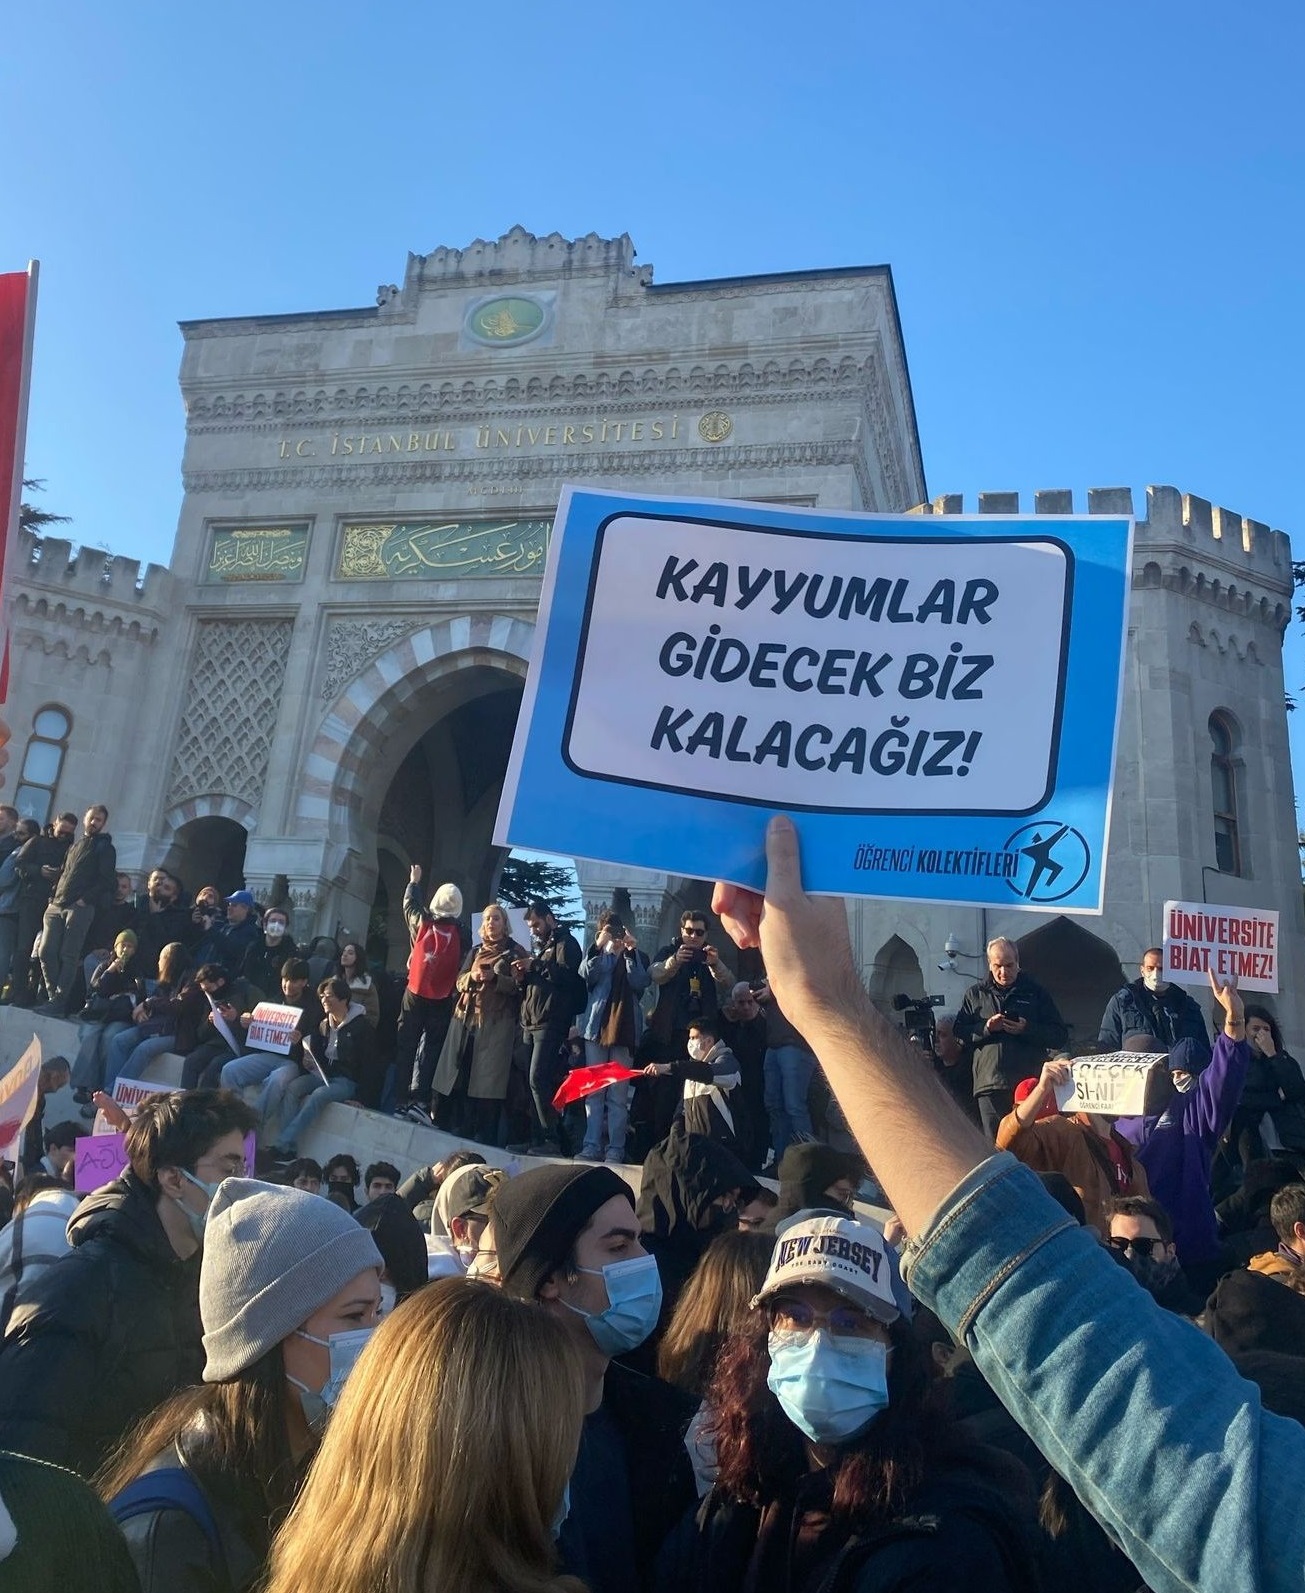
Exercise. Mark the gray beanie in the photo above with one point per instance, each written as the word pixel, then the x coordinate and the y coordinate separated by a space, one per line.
pixel 272 1256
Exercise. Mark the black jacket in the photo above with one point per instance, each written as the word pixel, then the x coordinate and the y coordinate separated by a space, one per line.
pixel 652 1417
pixel 170 1549
pixel 1002 1060
pixel 90 872
pixel 682 1177
pixel 105 1335
pixel 554 990
pixel 155 930
pixel 42 851
pixel 1274 1084
pixel 355 1043
pixel 263 964
pixel 960 1533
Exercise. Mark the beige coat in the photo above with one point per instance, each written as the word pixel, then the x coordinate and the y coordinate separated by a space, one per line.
pixel 494 1039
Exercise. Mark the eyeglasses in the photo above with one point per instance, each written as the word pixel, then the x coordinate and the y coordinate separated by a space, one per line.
pixel 1144 1247
pixel 227 1166
pixel 801 1319
pixel 697 934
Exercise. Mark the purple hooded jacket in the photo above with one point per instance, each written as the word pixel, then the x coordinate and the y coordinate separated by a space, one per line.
pixel 1177 1147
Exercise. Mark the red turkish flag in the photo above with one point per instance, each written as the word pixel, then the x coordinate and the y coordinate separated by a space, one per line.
pixel 580 1082
pixel 17 318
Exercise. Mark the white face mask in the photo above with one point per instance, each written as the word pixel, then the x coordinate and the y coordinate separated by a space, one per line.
pixel 1152 980
pixel 274 930
pixel 389 1299
pixel 698 1049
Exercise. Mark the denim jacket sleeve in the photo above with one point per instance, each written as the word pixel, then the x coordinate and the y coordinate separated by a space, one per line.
pixel 1143 1415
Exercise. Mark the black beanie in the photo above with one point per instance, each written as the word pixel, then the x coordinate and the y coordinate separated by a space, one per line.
pixel 538 1215
pixel 806 1171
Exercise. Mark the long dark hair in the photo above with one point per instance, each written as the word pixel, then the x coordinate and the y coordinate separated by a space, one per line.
pixel 235 1439
pixel 1265 1016
pixel 761 1454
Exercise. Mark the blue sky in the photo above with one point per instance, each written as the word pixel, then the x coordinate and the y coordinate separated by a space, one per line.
pixel 1093 214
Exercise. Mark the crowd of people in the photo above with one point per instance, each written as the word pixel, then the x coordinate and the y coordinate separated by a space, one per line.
pixel 1055 1349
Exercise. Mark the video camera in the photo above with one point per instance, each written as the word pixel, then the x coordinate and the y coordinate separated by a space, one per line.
pixel 917 1017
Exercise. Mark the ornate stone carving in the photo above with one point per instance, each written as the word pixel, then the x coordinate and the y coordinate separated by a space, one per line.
pixel 550 468
pixel 352 644
pixel 472 398
pixel 229 718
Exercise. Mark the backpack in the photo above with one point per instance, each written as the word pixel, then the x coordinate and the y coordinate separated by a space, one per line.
pixel 171 1488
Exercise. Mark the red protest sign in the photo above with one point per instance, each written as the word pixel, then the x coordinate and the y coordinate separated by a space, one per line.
pixel 17 317
pixel 580 1082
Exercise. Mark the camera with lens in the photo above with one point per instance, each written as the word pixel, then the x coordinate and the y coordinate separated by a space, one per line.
pixel 917 1017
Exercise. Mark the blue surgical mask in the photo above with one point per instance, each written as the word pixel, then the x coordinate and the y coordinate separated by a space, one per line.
pixel 344 1350
pixel 634 1295
pixel 563 1511
pixel 198 1219
pixel 831 1387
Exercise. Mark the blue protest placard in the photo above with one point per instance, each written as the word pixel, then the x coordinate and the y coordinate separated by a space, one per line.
pixel 933 699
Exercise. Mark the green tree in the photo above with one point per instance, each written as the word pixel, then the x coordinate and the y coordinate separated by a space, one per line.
pixel 30 518
pixel 525 878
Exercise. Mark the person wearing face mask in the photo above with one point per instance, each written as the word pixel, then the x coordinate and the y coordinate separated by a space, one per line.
pixel 836 1466
pixel 289 1292
pixel 268 954
pixel 113 1329
pixel 566 1238
pixel 712 1081
pixel 1141 1239
pixel 1151 1005
pixel 458 1218
pixel 1177 1147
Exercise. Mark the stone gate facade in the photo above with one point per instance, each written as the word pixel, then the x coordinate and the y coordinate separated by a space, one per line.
pixel 320 688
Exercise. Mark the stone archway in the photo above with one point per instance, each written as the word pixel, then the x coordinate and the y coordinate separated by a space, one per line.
pixel 208 851
pixel 895 971
pixel 410 759
pixel 1080 970
pixel 206 837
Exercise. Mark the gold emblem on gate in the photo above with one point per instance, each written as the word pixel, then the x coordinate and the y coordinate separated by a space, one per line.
pixel 715 426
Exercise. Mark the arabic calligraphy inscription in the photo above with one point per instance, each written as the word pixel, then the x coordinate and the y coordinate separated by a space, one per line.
pixel 257 553
pixel 430 549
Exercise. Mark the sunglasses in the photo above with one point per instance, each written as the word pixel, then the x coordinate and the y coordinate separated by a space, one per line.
pixel 698 934
pixel 801 1319
pixel 1143 1247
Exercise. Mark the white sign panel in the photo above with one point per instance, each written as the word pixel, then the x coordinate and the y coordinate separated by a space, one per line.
pixel 1237 942
pixel 761 648
pixel 272 1027
pixel 933 699
pixel 1117 1084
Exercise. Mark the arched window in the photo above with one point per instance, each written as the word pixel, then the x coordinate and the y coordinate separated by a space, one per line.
pixel 1223 785
pixel 42 763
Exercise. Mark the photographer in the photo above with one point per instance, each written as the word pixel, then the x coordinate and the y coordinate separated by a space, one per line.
pixel 953 1062
pixel 553 992
pixel 692 982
